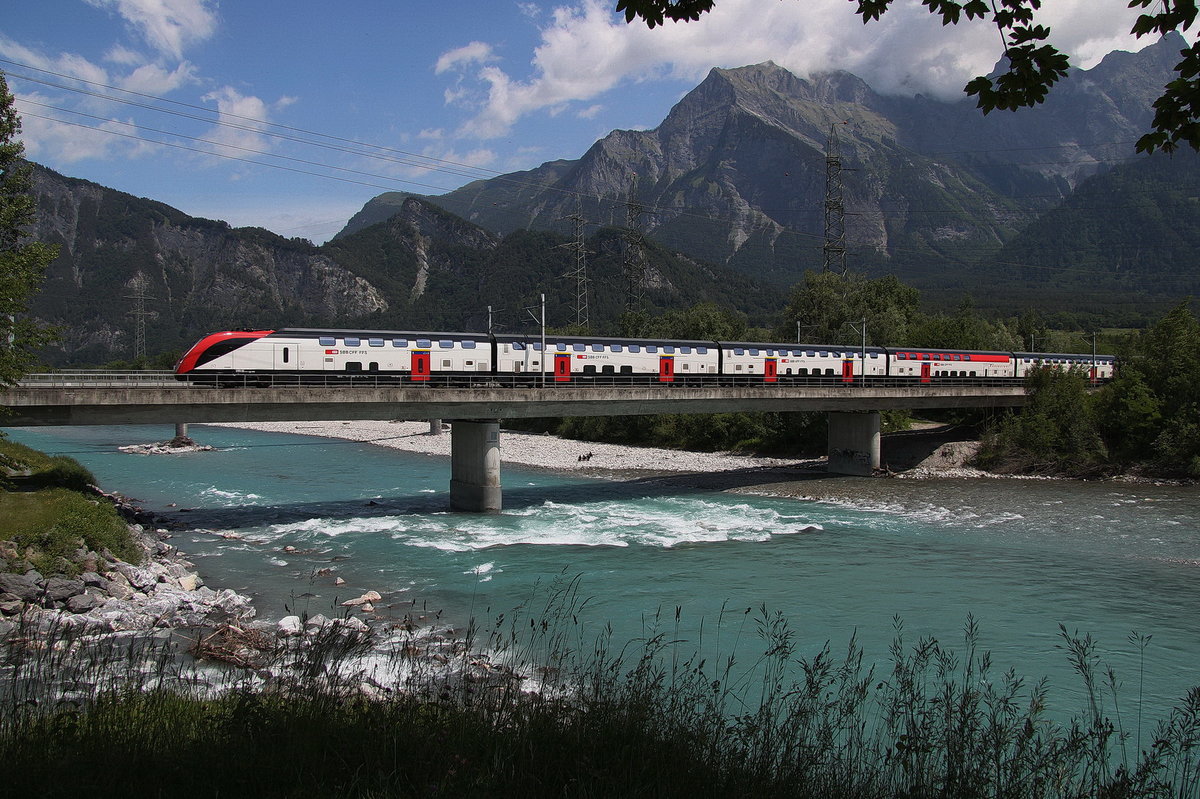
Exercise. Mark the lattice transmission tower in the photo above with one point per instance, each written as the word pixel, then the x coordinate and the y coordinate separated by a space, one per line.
pixel 578 271
pixel 835 211
pixel 138 286
pixel 635 258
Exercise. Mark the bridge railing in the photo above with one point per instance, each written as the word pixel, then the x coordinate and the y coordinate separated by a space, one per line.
pixel 342 380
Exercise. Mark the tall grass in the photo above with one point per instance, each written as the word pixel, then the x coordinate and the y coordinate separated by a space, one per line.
pixel 531 702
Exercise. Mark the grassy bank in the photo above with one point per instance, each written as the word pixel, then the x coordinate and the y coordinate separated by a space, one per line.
pixel 50 518
pixel 590 719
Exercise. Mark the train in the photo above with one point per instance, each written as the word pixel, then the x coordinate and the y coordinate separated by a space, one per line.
pixel 347 357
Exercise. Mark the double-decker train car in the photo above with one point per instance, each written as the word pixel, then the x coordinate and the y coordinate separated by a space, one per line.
pixel 241 357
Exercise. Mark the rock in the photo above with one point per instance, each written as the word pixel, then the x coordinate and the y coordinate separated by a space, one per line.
pixel 23 586
pixel 289 625
pixel 190 582
pixel 10 607
pixel 372 596
pixel 317 622
pixel 141 579
pixel 339 581
pixel 367 607
pixel 92 579
pixel 60 589
pixel 82 603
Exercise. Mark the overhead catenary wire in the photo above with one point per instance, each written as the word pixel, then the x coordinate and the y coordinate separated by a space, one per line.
pixel 387 182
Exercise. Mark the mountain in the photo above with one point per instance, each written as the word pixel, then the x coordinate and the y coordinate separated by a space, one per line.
pixel 736 173
pixel 198 274
pixel 421 268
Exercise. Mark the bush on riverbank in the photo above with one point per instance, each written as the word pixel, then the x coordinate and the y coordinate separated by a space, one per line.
pixel 49 516
pixel 573 716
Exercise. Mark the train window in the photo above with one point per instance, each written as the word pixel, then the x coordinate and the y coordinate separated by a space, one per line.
pixel 635 348
pixel 468 344
pixel 811 353
pixel 874 354
pixel 375 342
pixel 351 342
pixel 829 371
pixel 597 348
pixel 626 370
pixel 445 363
pixel 966 357
pixel 286 350
pixel 517 346
pixel 824 354
pixel 737 368
pixel 423 343
pixel 607 369
pixel 686 350
pixel 754 352
pixel 957 357
pixel 686 367
pixel 537 345
pixel 702 350
pixel 327 341
pixel 668 349
pixel 468 363
pixel 617 348
pixel 901 356
pixel 373 366
pixel 353 366
pixel 399 342
pixel 578 347
pixel 651 348
pixel 739 352
pixel 802 371
pixel 446 344
pixel 589 369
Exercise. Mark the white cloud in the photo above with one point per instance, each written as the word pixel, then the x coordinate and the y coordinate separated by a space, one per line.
pixel 242 120
pixel 154 79
pixel 168 26
pixel 586 50
pixel 473 53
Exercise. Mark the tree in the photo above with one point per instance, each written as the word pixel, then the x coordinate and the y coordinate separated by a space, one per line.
pixel 22 262
pixel 828 306
pixel 1034 65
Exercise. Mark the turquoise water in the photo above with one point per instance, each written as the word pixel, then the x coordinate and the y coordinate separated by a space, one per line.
pixel 1020 556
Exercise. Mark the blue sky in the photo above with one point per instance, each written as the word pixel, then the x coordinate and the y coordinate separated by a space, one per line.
pixel 290 116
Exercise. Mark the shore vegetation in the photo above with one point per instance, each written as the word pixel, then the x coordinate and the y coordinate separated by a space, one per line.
pixel 49 514
pixel 559 711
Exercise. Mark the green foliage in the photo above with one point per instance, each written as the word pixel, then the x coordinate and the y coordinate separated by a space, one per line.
pixel 1149 414
pixel 22 262
pixel 54 524
pixel 828 306
pixel 1055 433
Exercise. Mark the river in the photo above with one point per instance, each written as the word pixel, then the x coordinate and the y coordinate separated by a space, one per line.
pixel 843 556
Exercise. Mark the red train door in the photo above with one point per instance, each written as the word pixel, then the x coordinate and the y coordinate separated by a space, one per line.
pixel 562 367
pixel 925 369
pixel 848 370
pixel 666 369
pixel 770 370
pixel 420 366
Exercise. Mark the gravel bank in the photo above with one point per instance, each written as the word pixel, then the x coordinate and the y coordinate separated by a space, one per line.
pixel 541 451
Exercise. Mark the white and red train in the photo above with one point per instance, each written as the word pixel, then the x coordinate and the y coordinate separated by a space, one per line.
pixel 248 357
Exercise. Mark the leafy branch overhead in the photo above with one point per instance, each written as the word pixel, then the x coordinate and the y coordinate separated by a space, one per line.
pixel 1034 64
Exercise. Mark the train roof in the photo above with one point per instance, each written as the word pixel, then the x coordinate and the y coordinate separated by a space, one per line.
pixel 314 332
pixel 554 338
pixel 1081 356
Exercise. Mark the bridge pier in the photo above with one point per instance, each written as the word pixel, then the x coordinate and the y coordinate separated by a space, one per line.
pixel 853 443
pixel 475 465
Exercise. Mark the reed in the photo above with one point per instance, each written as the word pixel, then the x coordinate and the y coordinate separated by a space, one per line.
pixel 532 702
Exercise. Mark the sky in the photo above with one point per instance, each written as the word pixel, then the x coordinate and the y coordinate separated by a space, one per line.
pixel 291 116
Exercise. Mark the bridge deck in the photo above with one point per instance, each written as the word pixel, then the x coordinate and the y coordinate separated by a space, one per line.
pixel 69 400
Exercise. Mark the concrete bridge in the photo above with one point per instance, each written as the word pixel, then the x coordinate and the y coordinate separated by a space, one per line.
pixel 477 410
